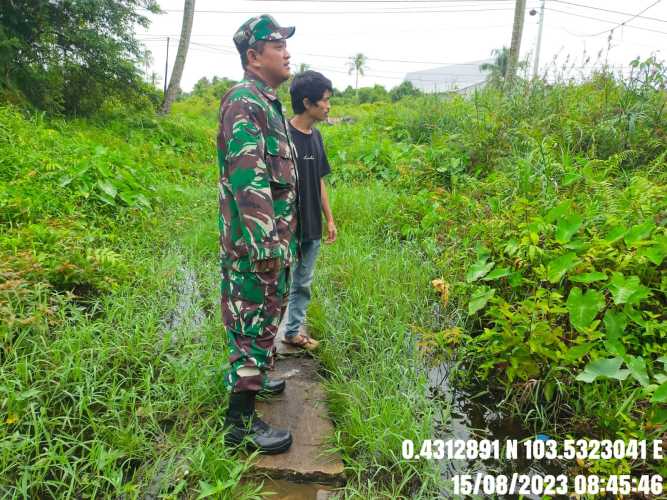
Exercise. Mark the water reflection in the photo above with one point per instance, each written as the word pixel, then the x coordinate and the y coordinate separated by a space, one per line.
pixel 470 414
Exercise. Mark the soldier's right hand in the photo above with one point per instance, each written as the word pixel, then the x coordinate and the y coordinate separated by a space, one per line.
pixel 268 265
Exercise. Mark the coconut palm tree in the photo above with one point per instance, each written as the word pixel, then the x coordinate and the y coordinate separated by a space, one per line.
pixel 358 65
pixel 179 64
pixel 498 68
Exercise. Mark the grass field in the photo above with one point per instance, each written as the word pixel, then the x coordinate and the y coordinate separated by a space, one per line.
pixel 524 235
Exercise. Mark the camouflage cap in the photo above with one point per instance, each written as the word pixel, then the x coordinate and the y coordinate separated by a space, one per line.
pixel 263 27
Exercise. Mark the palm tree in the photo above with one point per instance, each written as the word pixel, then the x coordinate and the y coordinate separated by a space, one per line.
pixel 358 65
pixel 498 68
pixel 179 64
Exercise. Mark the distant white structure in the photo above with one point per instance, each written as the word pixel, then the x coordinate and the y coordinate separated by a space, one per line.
pixel 462 78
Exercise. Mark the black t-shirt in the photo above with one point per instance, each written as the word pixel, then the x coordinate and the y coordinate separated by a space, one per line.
pixel 312 165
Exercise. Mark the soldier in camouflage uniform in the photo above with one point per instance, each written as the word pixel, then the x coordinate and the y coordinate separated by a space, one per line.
pixel 258 226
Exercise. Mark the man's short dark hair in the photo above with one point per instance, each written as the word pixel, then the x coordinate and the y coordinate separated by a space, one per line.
pixel 258 46
pixel 310 84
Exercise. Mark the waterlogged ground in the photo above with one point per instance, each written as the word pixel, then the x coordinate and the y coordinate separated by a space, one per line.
pixel 145 374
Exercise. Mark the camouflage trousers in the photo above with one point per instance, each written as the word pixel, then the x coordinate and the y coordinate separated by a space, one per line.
pixel 253 305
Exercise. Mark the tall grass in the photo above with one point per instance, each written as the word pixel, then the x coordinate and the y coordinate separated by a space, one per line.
pixel 370 292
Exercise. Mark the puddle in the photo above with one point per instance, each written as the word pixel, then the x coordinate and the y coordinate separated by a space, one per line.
pixel 476 415
pixel 279 489
pixel 188 311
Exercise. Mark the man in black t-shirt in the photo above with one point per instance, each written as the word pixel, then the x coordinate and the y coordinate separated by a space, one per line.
pixel 310 92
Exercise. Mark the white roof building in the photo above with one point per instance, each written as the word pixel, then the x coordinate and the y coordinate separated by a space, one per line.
pixel 462 78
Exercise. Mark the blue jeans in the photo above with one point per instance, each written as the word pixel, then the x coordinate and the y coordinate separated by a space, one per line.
pixel 299 294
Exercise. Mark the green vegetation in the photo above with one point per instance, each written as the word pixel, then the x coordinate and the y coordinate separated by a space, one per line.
pixel 545 212
pixel 73 57
pixel 111 357
pixel 535 222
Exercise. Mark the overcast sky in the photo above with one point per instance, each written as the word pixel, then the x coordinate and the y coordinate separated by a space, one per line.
pixel 403 36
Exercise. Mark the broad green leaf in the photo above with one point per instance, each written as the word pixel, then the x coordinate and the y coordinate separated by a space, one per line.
pixel 655 253
pixel 127 198
pixel 635 315
pixel 141 200
pixel 560 265
pixel 615 347
pixel 478 270
pixel 604 368
pixel 588 277
pixel 570 178
pixel 616 234
pixel 614 324
pixel 584 307
pixel 578 245
pixel 660 394
pixel 659 416
pixel 639 233
pixel 515 279
pixel 627 290
pixel 104 170
pixel 568 227
pixel 108 188
pixel 65 180
pixel 638 370
pixel 479 299
pixel 511 247
pixel 500 272
pixel 663 360
pixel 558 211
pixel 578 351
pixel 106 198
pixel 586 376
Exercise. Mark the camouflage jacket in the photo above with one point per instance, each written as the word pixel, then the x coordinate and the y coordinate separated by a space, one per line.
pixel 258 179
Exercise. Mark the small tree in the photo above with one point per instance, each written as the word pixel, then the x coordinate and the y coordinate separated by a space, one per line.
pixel 498 68
pixel 405 89
pixel 358 65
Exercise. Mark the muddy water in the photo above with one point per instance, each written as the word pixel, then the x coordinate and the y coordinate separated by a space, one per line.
pixel 188 311
pixel 475 414
pixel 278 489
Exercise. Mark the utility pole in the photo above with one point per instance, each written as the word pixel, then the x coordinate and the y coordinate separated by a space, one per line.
pixel 515 48
pixel 166 67
pixel 536 65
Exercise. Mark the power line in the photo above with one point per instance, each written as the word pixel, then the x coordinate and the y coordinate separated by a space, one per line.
pixel 383 1
pixel 343 12
pixel 232 49
pixel 611 11
pixel 624 23
pixel 439 28
pixel 605 21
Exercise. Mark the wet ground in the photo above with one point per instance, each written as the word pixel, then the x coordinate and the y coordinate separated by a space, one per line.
pixel 460 414
pixel 287 490
pixel 475 415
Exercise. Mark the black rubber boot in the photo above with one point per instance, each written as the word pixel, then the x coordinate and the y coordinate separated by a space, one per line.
pixel 244 426
pixel 273 387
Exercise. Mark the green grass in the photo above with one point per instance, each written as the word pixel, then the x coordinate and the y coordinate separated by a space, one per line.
pixel 109 403
pixel 370 291
pixel 114 403
pixel 103 224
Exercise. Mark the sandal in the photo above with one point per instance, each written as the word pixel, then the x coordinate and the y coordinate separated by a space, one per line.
pixel 303 341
